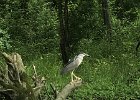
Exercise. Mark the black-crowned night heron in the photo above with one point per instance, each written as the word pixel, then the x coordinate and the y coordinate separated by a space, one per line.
pixel 73 64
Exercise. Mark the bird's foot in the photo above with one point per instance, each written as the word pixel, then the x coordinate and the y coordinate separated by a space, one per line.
pixel 74 78
pixel 72 82
pixel 78 78
pixel 75 81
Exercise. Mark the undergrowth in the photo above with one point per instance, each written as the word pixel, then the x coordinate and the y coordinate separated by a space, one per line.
pixel 113 78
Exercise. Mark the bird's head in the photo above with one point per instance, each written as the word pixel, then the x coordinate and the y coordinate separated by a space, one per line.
pixel 83 54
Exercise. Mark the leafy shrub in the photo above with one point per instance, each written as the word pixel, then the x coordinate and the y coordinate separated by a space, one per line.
pixel 4 40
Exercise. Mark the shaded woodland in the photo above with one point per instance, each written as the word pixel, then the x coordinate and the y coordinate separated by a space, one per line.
pixel 39 37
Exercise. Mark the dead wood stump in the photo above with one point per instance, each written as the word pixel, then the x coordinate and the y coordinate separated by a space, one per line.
pixel 14 81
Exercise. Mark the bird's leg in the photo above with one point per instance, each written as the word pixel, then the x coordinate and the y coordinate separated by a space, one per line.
pixel 77 78
pixel 72 76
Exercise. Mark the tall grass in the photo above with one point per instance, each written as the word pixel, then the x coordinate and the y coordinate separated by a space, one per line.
pixel 111 78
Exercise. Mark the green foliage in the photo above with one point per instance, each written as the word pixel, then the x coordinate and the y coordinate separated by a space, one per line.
pixel 31 24
pixel 84 21
pixel 112 71
pixel 4 40
pixel 126 9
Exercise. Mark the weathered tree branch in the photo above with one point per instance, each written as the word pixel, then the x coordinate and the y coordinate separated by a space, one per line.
pixel 68 88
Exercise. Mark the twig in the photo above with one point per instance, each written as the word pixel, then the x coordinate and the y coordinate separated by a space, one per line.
pixel 54 90
pixel 38 82
pixel 35 73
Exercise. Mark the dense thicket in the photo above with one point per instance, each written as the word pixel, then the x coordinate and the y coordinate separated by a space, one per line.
pixel 109 31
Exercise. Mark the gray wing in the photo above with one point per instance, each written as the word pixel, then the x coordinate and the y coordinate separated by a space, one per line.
pixel 70 66
pixel 75 57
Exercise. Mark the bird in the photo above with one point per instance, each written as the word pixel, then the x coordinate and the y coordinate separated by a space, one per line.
pixel 73 64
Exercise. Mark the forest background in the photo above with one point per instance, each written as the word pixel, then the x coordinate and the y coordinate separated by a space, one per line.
pixel 47 33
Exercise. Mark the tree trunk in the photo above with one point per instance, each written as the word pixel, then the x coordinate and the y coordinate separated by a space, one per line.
pixel 63 30
pixel 66 23
pixel 24 8
pixel 107 23
pixel 106 18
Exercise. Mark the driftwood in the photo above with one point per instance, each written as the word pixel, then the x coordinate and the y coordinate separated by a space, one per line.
pixel 14 82
pixel 68 88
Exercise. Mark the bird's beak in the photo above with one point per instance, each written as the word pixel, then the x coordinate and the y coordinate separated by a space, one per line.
pixel 87 55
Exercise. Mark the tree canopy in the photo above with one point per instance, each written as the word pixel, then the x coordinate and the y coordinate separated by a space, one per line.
pixel 57 30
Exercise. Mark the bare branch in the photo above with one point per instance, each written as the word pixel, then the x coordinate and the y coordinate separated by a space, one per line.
pixel 68 88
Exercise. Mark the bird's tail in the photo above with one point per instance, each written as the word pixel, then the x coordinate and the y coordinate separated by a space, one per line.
pixel 63 71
